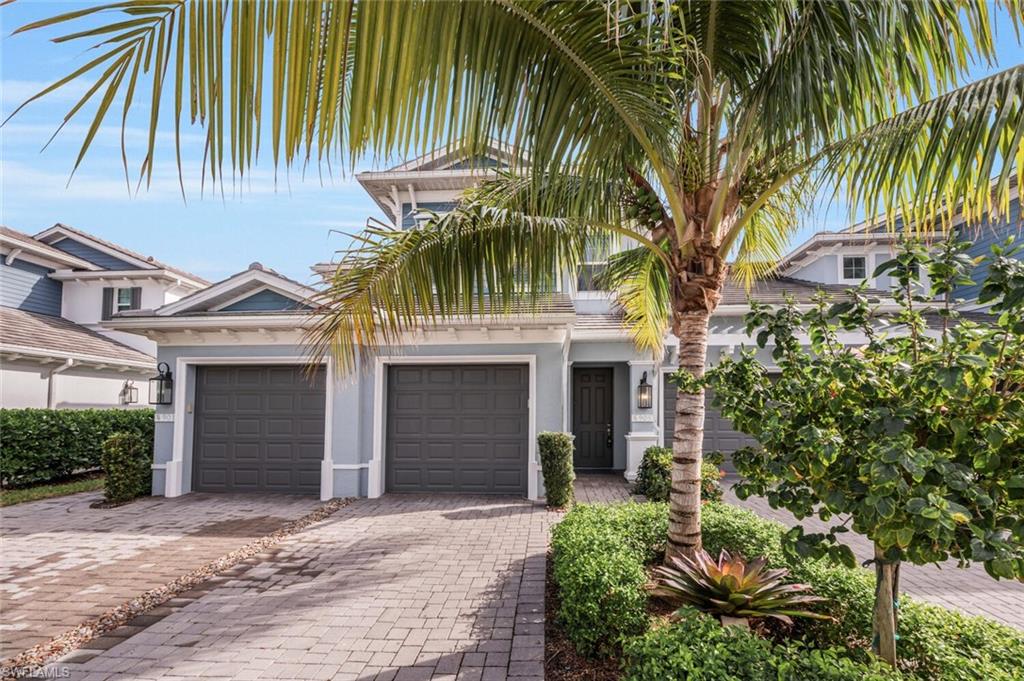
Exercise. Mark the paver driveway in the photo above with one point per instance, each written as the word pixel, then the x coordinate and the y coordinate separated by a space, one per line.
pixel 402 587
pixel 62 562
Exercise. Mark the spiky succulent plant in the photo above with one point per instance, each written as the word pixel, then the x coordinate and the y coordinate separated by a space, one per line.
pixel 734 587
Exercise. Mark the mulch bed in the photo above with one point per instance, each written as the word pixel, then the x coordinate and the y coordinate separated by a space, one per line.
pixel 561 661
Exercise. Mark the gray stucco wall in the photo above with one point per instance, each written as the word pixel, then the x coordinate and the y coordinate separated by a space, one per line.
pixel 352 414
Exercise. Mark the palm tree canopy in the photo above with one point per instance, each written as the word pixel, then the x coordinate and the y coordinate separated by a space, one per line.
pixel 694 128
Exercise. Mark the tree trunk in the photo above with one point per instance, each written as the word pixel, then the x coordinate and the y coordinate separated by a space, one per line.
pixel 688 440
pixel 883 639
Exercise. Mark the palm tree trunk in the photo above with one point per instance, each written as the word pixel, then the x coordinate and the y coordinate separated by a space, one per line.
pixel 688 440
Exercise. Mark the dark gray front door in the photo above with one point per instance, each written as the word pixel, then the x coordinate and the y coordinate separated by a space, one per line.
pixel 457 428
pixel 592 416
pixel 258 429
pixel 719 435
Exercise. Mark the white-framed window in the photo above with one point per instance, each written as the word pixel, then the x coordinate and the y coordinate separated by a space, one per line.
pixel 122 299
pixel 854 268
pixel 595 260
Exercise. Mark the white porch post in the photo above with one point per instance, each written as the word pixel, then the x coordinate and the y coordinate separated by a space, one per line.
pixel 643 429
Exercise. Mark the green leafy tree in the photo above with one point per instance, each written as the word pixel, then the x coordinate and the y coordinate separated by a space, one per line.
pixel 690 129
pixel 913 439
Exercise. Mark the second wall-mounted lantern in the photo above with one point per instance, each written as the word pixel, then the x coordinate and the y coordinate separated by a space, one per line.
pixel 161 385
pixel 129 393
pixel 644 394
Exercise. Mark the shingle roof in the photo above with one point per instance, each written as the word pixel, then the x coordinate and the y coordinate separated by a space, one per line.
pixel 776 289
pixel 32 330
pixel 157 264
pixel 15 235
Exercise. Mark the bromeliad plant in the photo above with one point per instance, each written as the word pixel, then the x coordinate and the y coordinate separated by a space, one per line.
pixel 733 587
pixel 913 438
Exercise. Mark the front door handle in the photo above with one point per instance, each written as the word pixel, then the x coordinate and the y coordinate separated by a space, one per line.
pixel 608 435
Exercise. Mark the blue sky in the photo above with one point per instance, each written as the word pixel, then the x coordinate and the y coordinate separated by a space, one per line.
pixel 286 225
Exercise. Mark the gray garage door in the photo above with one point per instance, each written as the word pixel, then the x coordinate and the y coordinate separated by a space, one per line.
pixel 457 428
pixel 258 429
pixel 719 435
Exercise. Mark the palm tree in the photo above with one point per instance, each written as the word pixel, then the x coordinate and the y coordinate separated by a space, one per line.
pixel 691 128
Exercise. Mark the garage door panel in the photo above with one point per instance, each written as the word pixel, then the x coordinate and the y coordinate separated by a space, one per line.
pixel 258 428
pixel 244 451
pixel 470 425
pixel 719 434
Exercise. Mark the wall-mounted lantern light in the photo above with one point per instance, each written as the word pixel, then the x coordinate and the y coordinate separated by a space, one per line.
pixel 161 385
pixel 129 393
pixel 644 393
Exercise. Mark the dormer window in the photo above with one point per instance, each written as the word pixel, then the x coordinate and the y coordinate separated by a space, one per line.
pixel 595 260
pixel 855 268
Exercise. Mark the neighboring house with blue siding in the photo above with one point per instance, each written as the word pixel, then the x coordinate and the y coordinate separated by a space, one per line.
pixel 985 235
pixel 57 290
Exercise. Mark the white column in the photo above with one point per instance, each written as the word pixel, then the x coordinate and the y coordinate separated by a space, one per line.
pixel 643 430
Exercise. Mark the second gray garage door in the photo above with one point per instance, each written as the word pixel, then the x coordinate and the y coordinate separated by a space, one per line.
pixel 457 428
pixel 719 435
pixel 258 429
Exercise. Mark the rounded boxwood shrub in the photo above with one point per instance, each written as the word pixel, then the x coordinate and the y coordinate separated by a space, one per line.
pixel 126 462
pixel 654 478
pixel 556 451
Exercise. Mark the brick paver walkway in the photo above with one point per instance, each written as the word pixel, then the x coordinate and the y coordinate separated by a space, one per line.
pixel 62 562
pixel 969 590
pixel 404 587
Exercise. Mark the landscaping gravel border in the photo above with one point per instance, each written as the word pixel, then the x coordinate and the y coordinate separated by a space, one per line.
pixel 28 662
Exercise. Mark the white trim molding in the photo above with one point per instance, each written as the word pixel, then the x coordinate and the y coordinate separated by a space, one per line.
pixel 174 483
pixel 376 472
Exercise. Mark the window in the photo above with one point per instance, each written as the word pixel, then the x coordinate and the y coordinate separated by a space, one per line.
pixel 124 300
pixel 855 267
pixel 595 260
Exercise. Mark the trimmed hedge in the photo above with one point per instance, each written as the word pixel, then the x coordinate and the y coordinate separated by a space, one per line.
pixel 598 564
pixel 654 477
pixel 600 553
pixel 698 647
pixel 556 463
pixel 40 445
pixel 126 460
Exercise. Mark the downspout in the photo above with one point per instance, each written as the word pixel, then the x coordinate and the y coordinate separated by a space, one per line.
pixel 51 383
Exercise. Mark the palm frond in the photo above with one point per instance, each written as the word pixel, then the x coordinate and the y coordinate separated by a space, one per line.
pixel 475 261
pixel 350 78
pixel 639 280
pixel 955 152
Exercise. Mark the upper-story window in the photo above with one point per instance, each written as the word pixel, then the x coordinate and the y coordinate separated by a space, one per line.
pixel 855 267
pixel 121 300
pixel 595 260
pixel 124 300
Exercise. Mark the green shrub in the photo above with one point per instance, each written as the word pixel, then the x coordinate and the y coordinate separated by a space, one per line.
pixel 715 458
pixel 40 445
pixel 654 479
pixel 710 482
pixel 599 553
pixel 556 462
pixel 935 643
pixel 126 461
pixel 697 648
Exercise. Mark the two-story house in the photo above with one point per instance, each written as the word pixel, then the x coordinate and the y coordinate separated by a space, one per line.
pixel 457 406
pixel 57 289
